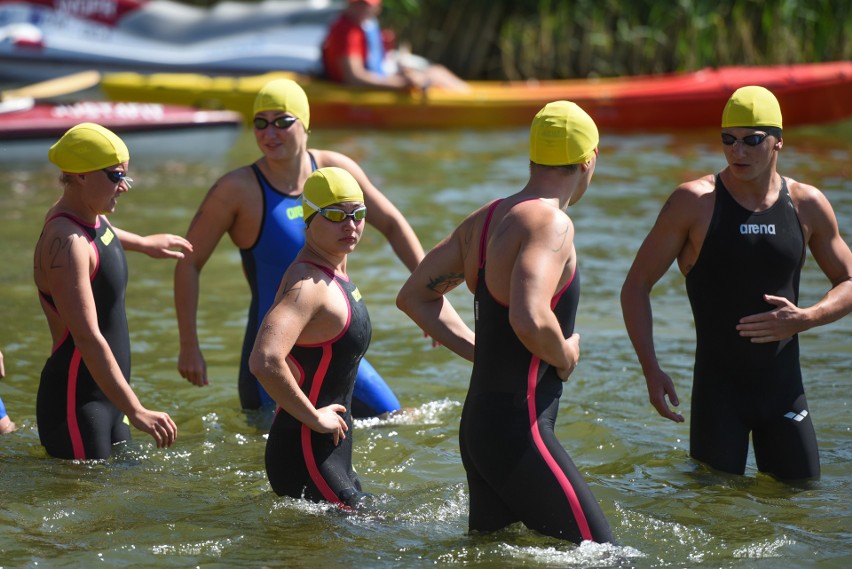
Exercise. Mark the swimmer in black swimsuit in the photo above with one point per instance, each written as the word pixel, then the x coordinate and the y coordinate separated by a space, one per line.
pixel 517 256
pixel 259 208
pixel 308 348
pixel 740 238
pixel 84 399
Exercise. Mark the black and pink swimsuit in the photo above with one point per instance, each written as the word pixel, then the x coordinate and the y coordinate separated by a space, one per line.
pixel 75 418
pixel 516 468
pixel 302 463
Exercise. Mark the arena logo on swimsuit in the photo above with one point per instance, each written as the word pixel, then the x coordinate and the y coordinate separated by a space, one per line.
pixel 757 229
pixel 294 212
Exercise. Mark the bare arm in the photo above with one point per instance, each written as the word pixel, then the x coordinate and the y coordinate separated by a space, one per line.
pixel 300 299
pixel 834 258
pixel 422 296
pixel 663 245
pixel 65 260
pixel 213 219
pixel 545 248
pixel 158 246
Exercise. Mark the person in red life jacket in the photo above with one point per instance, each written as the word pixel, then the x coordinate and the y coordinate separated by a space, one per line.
pixel 353 53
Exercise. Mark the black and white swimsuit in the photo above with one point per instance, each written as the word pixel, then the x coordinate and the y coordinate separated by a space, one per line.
pixel 740 387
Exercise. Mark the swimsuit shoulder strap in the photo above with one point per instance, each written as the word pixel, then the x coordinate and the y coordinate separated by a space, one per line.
pixel 483 238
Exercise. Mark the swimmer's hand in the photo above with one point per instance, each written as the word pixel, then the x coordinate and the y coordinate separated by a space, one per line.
pixel 330 420
pixel 191 365
pixel 158 246
pixel 166 246
pixel 157 424
pixel 660 386
pixel 780 323
pixel 572 349
pixel 435 343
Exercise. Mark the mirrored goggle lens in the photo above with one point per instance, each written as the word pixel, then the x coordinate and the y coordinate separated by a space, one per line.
pixel 116 177
pixel 281 123
pixel 338 215
pixel 750 140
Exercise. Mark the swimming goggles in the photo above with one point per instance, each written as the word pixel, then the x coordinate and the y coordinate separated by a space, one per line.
pixel 116 177
pixel 281 123
pixel 338 215
pixel 750 140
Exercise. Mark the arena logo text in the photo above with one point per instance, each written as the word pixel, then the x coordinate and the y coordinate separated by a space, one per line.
pixel 757 229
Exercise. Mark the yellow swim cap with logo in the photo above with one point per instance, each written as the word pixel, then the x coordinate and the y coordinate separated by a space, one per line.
pixel 329 186
pixel 87 147
pixel 284 95
pixel 752 106
pixel 562 133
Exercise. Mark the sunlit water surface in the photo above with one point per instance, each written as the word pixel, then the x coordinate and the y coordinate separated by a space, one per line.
pixel 206 501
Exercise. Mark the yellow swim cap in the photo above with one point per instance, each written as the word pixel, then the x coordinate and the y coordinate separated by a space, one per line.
pixel 328 186
pixel 752 106
pixel 562 133
pixel 87 147
pixel 284 95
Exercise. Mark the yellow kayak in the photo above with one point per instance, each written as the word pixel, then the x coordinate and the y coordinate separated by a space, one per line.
pixel 808 94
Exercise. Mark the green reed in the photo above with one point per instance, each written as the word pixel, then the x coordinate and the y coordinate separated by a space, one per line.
pixel 523 39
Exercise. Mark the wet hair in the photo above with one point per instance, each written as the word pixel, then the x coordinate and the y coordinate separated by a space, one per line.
pixel 772 131
pixel 570 168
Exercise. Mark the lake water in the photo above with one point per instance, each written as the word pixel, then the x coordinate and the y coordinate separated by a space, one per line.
pixel 206 501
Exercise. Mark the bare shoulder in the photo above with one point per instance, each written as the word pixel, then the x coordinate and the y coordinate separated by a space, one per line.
pixel 474 222
pixel 234 186
pixel 812 206
pixel 62 246
pixel 802 193
pixel 302 275
pixel 695 189
pixel 325 158
pixel 690 200
pixel 61 229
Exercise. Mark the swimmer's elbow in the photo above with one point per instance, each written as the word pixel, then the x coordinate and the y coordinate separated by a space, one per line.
pixel 262 363
pixel 405 302
pixel 525 325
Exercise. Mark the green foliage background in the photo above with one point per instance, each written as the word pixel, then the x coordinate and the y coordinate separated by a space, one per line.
pixel 556 39
pixel 541 39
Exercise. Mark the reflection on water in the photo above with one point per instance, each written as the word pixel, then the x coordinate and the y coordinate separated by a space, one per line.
pixel 206 501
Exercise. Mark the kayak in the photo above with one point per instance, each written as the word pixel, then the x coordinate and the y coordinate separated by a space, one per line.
pixel 40 39
pixel 28 129
pixel 808 94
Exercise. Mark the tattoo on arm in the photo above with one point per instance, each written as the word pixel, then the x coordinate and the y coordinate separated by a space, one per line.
pixel 443 284
pixel 60 253
pixel 561 233
pixel 291 289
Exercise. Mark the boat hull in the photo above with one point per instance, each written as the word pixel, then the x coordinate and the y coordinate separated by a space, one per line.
pixel 41 39
pixel 149 129
pixel 808 94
